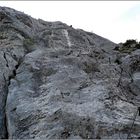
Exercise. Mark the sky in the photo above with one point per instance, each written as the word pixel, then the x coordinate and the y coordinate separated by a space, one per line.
pixel 114 20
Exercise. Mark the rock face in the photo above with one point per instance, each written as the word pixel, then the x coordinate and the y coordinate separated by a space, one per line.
pixel 57 82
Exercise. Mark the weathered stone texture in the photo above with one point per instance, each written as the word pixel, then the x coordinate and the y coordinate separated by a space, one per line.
pixel 60 82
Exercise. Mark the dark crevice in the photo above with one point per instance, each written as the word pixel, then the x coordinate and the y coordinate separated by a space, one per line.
pixel 6 136
pixel 120 78
pixel 7 83
pixel 118 61
pixel 4 55
pixel 14 73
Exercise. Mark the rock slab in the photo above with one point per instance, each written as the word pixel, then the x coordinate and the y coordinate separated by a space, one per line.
pixel 57 82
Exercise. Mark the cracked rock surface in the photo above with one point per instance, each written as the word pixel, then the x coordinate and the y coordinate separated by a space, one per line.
pixel 57 82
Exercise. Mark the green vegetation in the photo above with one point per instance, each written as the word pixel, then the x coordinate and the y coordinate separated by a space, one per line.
pixel 129 46
pixel 3 35
pixel 28 41
pixel 28 44
pixel 130 42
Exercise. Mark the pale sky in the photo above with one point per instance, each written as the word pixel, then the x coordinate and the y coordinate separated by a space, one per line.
pixel 114 20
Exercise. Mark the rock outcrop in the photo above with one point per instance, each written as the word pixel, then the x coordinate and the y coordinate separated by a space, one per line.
pixel 57 82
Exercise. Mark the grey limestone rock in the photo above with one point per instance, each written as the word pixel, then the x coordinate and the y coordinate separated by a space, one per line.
pixel 57 82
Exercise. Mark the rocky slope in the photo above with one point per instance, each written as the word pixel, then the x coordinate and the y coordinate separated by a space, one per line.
pixel 61 82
